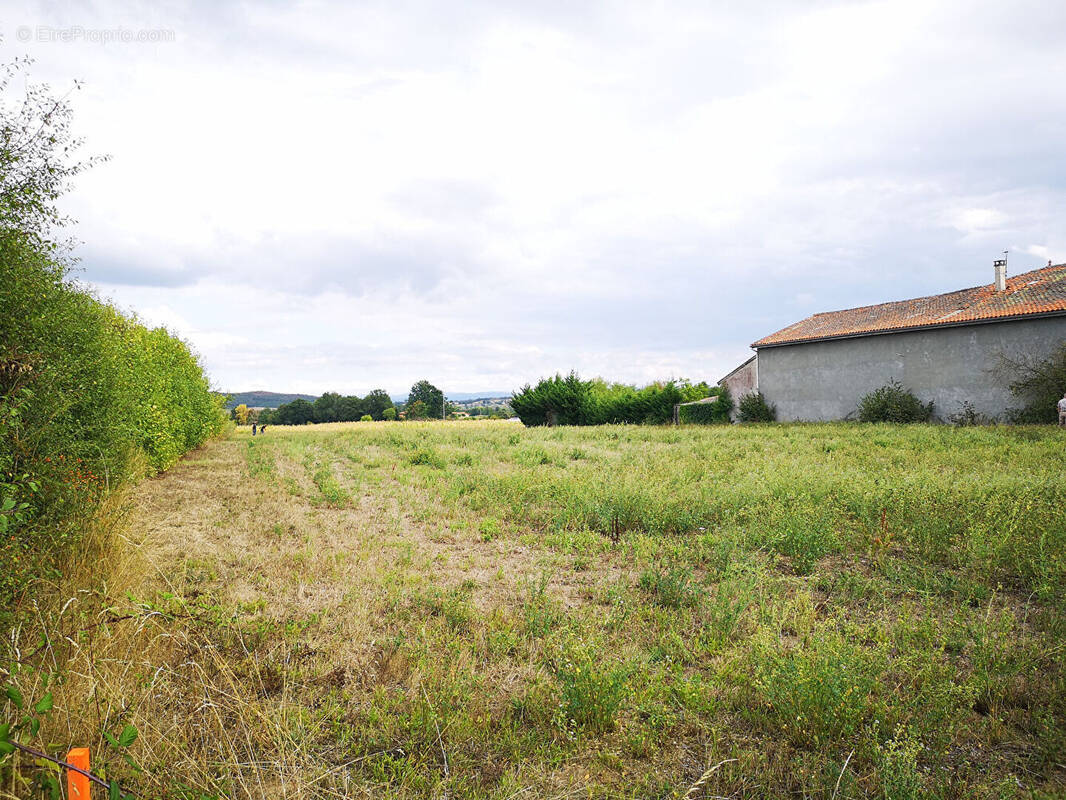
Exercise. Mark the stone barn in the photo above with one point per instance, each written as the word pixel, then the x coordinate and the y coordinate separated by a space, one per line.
pixel 945 348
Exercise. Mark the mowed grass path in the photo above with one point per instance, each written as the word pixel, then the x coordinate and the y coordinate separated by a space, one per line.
pixel 478 610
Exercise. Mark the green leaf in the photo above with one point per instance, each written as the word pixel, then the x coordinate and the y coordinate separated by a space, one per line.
pixel 44 704
pixel 128 736
pixel 35 726
pixel 113 791
pixel 112 741
pixel 6 748
pixel 52 785
pixel 14 695
pixel 8 504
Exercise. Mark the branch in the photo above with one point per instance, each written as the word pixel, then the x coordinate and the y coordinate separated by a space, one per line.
pixel 60 762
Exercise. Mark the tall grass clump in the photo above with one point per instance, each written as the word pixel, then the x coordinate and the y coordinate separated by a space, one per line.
pixel 591 691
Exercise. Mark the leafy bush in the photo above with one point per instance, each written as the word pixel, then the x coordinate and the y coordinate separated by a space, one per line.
pixel 898 757
pixel 1039 384
pixel 967 416
pixel 893 403
pixel 754 408
pixel 366 418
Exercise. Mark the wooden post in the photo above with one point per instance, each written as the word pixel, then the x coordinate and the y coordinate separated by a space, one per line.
pixel 677 413
pixel 78 786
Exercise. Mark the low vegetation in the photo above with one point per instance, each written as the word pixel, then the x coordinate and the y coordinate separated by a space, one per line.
pixel 492 611
pixel 754 408
pixel 893 402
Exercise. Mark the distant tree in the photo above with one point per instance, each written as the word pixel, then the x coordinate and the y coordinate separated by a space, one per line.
pixel 239 414
pixel 416 410
pixel 430 396
pixel 268 416
pixel 325 407
pixel 298 412
pixel 556 400
pixel 389 414
pixel 376 402
pixel 350 408
pixel 366 418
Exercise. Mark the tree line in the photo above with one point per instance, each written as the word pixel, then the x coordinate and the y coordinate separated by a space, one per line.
pixel 331 407
pixel 425 401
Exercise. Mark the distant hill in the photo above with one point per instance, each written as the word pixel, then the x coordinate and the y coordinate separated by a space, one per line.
pixel 266 399
pixel 275 399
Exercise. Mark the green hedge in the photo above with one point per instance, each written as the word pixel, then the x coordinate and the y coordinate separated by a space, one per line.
pixel 572 401
pixel 88 398
pixel 714 413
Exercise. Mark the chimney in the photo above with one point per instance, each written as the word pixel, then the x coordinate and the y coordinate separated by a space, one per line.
pixel 1000 265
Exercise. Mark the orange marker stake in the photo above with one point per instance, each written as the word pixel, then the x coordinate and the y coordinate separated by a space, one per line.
pixel 78 786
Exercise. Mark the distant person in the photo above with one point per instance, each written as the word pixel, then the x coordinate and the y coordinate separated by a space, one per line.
pixel 253 429
pixel 262 428
pixel 1062 410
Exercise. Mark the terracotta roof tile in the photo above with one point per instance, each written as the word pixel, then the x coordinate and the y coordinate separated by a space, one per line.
pixel 1041 291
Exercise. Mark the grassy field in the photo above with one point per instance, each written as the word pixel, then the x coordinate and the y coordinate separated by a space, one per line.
pixel 478 610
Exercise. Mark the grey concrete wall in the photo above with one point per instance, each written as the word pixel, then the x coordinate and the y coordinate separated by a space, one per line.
pixel 744 380
pixel 825 380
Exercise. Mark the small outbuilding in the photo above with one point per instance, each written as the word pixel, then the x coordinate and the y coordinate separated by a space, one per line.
pixel 946 348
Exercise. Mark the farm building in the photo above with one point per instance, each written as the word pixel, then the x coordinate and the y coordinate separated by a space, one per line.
pixel 945 348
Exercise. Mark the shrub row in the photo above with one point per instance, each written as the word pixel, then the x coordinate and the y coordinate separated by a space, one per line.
pixel 572 401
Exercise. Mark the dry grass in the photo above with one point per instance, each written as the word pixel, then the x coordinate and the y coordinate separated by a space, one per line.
pixel 426 611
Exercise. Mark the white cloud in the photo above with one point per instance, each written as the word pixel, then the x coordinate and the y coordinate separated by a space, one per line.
pixel 365 194
pixel 977 220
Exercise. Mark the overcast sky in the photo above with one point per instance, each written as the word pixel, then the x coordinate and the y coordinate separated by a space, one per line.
pixel 344 196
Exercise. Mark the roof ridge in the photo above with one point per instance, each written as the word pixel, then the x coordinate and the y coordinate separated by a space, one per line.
pixel 973 304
